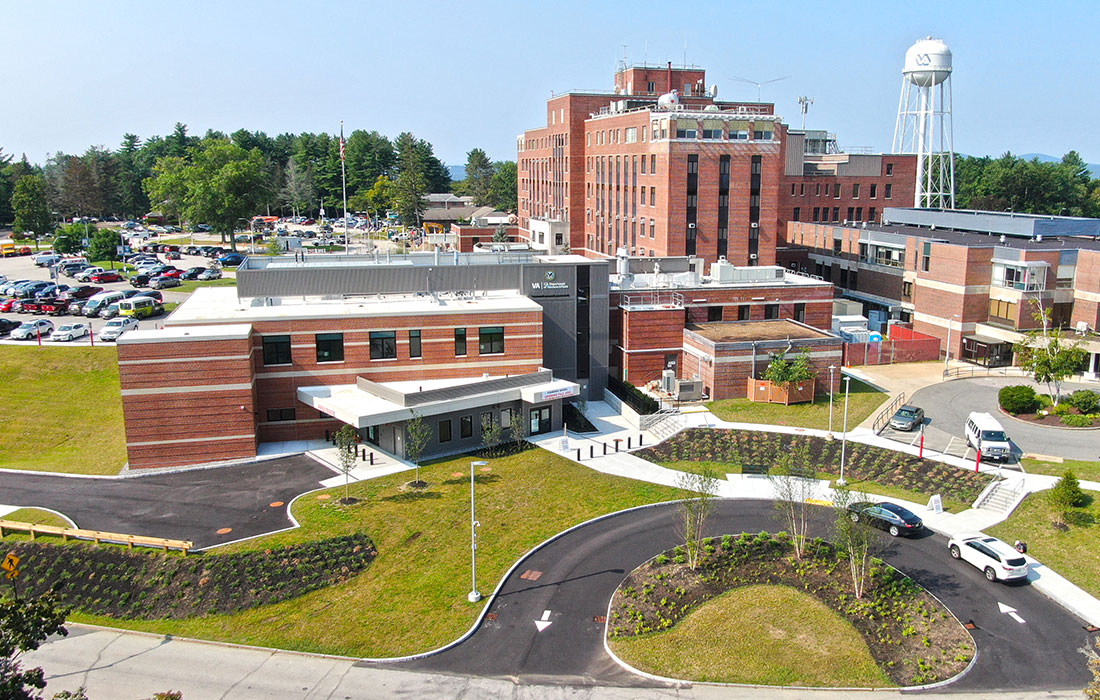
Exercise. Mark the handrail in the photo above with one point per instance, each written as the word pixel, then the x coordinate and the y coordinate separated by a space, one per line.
pixel 96 536
pixel 885 414
pixel 976 371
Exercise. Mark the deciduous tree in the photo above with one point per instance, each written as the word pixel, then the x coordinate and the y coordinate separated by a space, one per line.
pixel 417 435
pixel 502 187
pixel 695 509
pixel 347 440
pixel 1047 356
pixel 32 209
pixel 792 480
pixel 24 625
pixel 854 537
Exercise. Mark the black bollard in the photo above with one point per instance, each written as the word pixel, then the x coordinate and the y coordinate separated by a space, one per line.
pixel 372 459
pixel 578 454
pixel 639 439
pixel 628 442
pixel 591 451
pixel 605 449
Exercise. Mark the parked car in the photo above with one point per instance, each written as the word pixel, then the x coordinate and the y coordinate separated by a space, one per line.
pixel 81 292
pixel 984 432
pixel 29 330
pixel 210 274
pixel 11 285
pixel 85 275
pixel 28 290
pixel 886 516
pixel 70 331
pixel 55 307
pixel 104 277
pixel 151 293
pixel 141 279
pixel 192 273
pixel 171 272
pixel 907 418
pixel 51 290
pixel 116 327
pixel 164 282
pixel 6 304
pixel 995 559
pixel 7 325
pixel 172 255
pixel 231 259
pixel 76 307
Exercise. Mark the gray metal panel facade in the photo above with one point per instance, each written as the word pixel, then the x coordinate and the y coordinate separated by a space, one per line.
pixel 796 152
pixel 860 165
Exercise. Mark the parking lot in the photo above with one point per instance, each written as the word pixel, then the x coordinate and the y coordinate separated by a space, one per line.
pixel 23 267
pixel 948 404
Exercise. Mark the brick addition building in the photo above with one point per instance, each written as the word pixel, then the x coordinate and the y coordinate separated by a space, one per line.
pixel 659 167
pixel 301 347
pixel 968 277
pixel 653 301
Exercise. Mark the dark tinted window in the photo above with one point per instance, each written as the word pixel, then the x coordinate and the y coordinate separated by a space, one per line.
pixel 383 345
pixel 491 340
pixel 276 349
pixel 330 347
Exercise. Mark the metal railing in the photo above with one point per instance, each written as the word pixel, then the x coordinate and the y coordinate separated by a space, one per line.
pixel 978 371
pixel 885 414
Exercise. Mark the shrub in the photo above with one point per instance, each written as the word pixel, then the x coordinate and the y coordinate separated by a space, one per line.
pixel 1075 421
pixel 1085 401
pixel 1018 398
pixel 633 397
pixel 1067 492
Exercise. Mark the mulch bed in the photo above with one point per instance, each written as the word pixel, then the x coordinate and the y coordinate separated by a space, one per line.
pixel 863 462
pixel 911 636
pixel 119 583
pixel 1048 420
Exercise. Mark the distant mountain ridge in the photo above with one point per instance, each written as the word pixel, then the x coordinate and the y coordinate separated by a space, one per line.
pixel 458 172
pixel 1094 168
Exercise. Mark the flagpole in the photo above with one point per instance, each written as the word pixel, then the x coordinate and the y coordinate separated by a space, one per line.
pixel 344 185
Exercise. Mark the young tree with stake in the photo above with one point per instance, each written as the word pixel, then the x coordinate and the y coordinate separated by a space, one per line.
pixel 695 509
pixel 346 441
pixel 417 435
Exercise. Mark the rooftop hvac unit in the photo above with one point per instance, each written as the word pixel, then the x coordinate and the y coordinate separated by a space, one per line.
pixel 668 381
pixel 689 390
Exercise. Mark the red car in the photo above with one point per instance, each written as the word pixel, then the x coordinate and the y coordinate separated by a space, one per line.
pixel 308 222
pixel 108 276
pixel 172 272
pixel 82 292
pixel 6 304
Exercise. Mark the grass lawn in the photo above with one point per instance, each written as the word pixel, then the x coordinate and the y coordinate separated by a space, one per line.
pixel 37 516
pixel 862 402
pixel 1089 471
pixel 413 597
pixel 63 410
pixel 192 285
pixel 1074 554
pixel 764 635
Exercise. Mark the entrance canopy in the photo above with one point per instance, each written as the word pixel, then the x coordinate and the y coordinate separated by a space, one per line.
pixel 367 403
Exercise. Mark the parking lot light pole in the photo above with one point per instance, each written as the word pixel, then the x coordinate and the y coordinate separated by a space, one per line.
pixel 474 595
pixel 844 438
pixel 830 433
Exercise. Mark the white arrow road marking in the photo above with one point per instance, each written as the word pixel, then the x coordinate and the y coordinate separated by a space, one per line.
pixel 1011 612
pixel 545 621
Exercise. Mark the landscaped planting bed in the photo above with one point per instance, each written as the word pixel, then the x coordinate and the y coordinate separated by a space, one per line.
pixel 117 583
pixel 910 635
pixel 863 462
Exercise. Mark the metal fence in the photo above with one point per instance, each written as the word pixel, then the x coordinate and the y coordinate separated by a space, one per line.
pixel 883 417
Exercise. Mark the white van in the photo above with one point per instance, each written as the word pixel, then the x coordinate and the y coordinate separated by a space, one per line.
pixel 98 302
pixel 986 434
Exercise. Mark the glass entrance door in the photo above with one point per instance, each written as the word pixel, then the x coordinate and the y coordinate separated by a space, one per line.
pixel 540 420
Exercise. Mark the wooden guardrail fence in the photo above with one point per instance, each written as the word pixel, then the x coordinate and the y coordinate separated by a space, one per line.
pixel 96 536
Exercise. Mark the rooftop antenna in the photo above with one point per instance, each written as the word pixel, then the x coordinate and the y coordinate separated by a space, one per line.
pixel 760 84
pixel 685 49
pixel 645 54
pixel 804 103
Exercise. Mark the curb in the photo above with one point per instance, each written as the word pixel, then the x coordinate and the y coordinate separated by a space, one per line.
pixel 1044 425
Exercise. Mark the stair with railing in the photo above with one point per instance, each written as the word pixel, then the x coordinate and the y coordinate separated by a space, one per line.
pixel 664 423
pixel 1000 496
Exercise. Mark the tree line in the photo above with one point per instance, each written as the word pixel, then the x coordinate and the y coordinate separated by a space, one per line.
pixel 182 175
pixel 1011 183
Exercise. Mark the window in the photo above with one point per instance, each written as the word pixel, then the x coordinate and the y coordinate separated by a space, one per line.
pixel 838 246
pixel 797 215
pixel 693 164
pixel 632 134
pixel 1002 309
pixel 836 191
pixel 871 214
pixel 383 345
pixel 771 311
pixel 889 169
pixel 330 347
pixel 279 414
pixel 652 228
pixel 644 159
pixel 792 189
pixel 714 313
pixel 874 191
pixel 652 196
pixel 491 340
pixel 653 163
pixel 906 290
pixel 817 213
pixel 445 431
pixel 643 189
pixel 460 342
pixel 276 349
pixel 855 191
pixel 743 312
pixel 506 418
pixel 414 344
pixel 836 212
pixel 851 214
pixel 466 426
pixel 486 421
pixel 888 194
pixel 651 86
pixel 800 312
pixel 926 257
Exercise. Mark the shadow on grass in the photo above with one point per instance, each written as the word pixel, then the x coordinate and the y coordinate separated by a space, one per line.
pixel 478 479
pixel 409 496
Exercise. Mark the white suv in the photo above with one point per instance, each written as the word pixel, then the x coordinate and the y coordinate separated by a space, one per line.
pixel 997 560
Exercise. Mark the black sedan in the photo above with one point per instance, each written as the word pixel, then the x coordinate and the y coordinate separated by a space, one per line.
pixel 7 325
pixel 886 516
pixel 192 273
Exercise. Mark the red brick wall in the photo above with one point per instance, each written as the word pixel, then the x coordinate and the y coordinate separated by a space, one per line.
pixel 181 408
pixel 727 376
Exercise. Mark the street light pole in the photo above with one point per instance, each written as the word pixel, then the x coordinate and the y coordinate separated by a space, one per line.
pixel 474 595
pixel 947 353
pixel 831 368
pixel 844 438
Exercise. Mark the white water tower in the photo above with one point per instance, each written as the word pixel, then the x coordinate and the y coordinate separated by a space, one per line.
pixel 924 122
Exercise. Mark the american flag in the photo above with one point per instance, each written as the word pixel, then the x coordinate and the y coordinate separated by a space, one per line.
pixel 342 141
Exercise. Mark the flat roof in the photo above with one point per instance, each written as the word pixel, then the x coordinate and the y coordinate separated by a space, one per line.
pixel 182 333
pixel 222 305
pixel 453 259
pixel 969 239
pixel 747 331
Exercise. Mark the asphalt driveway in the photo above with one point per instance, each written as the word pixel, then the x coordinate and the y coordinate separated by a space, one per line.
pixel 947 405
pixel 581 570
pixel 186 505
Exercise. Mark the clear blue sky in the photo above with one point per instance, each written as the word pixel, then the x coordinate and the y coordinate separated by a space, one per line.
pixel 476 74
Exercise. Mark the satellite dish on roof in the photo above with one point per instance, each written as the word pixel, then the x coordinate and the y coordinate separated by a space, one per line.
pixel 714 90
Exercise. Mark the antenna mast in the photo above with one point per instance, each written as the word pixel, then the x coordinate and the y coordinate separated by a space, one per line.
pixel 804 103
